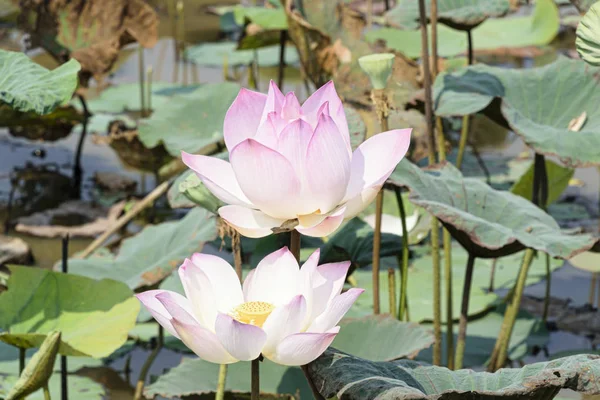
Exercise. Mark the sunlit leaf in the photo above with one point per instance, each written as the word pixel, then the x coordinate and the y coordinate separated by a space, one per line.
pixel 93 316
pixel 225 53
pixel 558 181
pixel 588 36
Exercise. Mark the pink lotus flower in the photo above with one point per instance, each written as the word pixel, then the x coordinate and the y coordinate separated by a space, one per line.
pixel 292 166
pixel 287 314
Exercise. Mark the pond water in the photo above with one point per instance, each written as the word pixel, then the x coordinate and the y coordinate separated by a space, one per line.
pixel 58 158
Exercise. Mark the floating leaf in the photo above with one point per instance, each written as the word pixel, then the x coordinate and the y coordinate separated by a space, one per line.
pixel 266 18
pixel 587 261
pixel 588 36
pixel 528 332
pixel 190 122
pixel 487 222
pixel 461 14
pixel 420 284
pixel 93 316
pixel 152 254
pixel 196 376
pixel 558 181
pixel 347 377
pixel 375 337
pixel 218 54
pixel 27 86
pixel 80 388
pixel 535 30
pixel 537 103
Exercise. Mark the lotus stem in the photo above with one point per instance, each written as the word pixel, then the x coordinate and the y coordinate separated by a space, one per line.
pixel 236 244
pixel 447 240
pixel 369 14
pixel 592 295
pixel 437 308
pixel 434 38
pixel 149 73
pixel 377 250
pixel 123 220
pixel 402 311
pixel 46 392
pixel 171 9
pixel 281 72
pixel 464 313
pixel 139 387
pixel 312 385
pixel 427 82
pixel 598 301
pixel 255 380
pixel 387 5
pixel 464 132
pixel 392 292
pixel 141 80
pixel 295 243
pixel 500 352
pixel 492 275
pixel 470 58
pixel 220 395
pixel 548 289
pixel 64 384
pixel 77 171
pixel 255 68
pixel 22 353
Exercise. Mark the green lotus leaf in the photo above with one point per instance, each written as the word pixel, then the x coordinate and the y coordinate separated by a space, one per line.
pixel 488 223
pixel 537 29
pixel 457 14
pixel 588 36
pixel 9 361
pixel 40 301
pixel 80 388
pixel 420 284
pixel 339 374
pixel 266 18
pixel 537 103
pixel 151 255
pixel 190 122
pixel 226 53
pixel 528 333
pixel 198 377
pixel 27 86
pixel 558 181
pixel 587 261
pixel 375 337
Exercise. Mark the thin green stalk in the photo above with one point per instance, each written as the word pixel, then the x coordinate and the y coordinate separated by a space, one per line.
pixel 281 72
pixel 46 393
pixel 405 254
pixel 149 73
pixel 377 251
pixel 139 388
pixel 592 295
pixel 220 395
pixel 492 274
pixel 392 292
pixel 464 313
pixel 464 131
pixel 295 244
pixel 447 240
pixel 510 316
pixel 437 308
pixel 21 360
pixel 255 380
pixel 141 81
pixel 548 289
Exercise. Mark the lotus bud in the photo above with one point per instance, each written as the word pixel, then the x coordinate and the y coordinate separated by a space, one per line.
pixel 378 67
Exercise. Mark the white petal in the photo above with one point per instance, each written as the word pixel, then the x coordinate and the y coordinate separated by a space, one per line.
pixel 203 342
pixel 375 159
pixel 266 177
pixel 223 279
pixel 326 227
pixel 336 311
pixel 248 222
pixel 218 177
pixel 243 117
pixel 327 165
pixel 243 341
pixel 302 348
pixel 275 279
pixel 284 321
pixel 356 204
pixel 199 292
pixel 158 311
pixel 274 101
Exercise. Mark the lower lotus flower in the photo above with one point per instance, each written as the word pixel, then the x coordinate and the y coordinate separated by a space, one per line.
pixel 286 313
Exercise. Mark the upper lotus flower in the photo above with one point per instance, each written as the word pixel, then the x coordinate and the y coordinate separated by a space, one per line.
pixel 292 166
pixel 287 314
